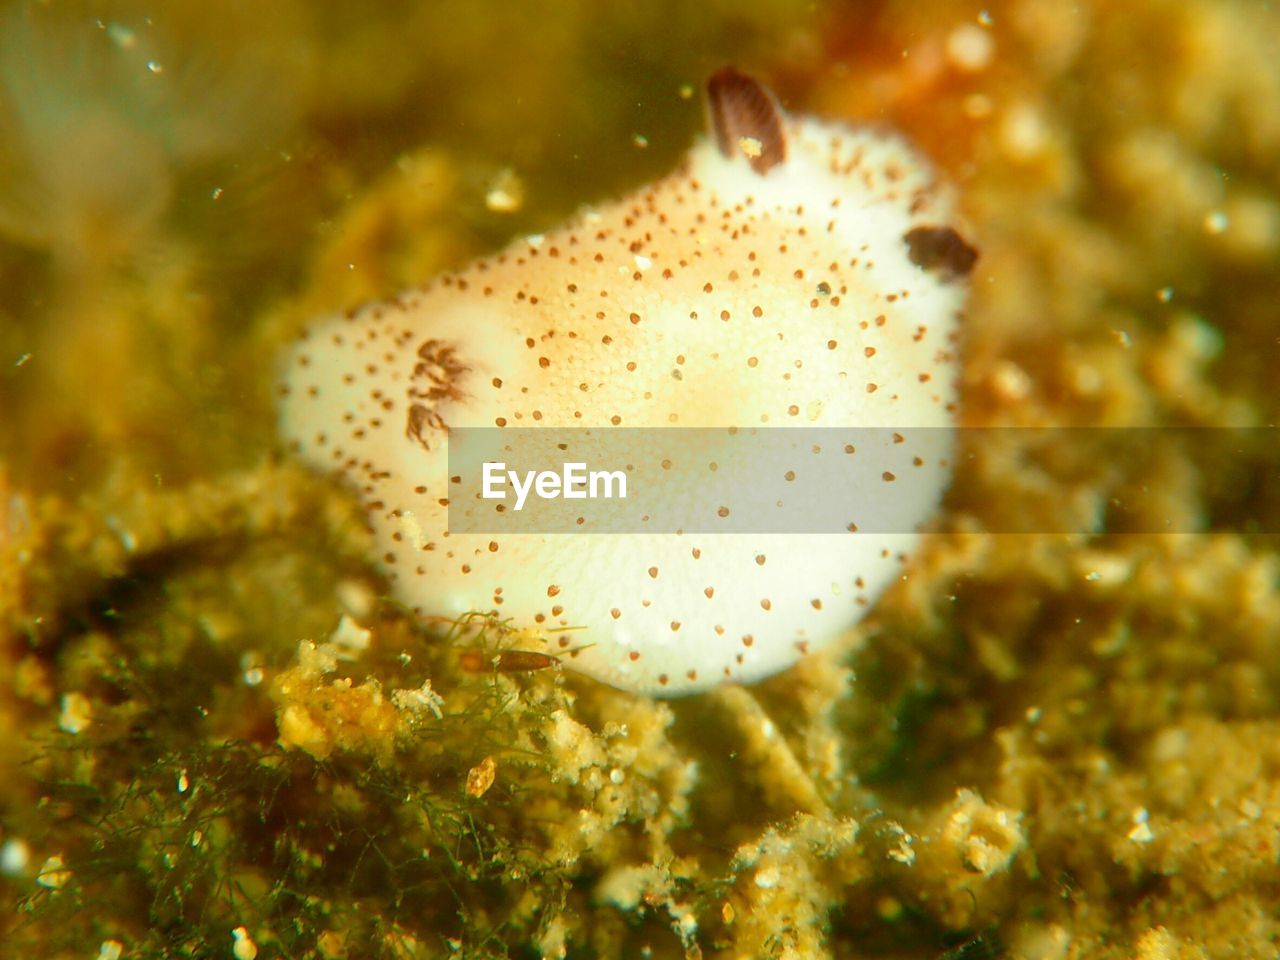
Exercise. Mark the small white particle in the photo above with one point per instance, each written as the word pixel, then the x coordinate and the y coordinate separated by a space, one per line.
pixel 22 360
pixel 688 924
pixel 14 857
pixel 77 713
pixel 1216 222
pixel 505 193
pixel 643 263
pixel 416 702
pixel 184 782
pixel 616 776
pixel 154 66
pixel 316 659
pixel 1012 382
pixel 127 538
pixel 750 146
pixel 356 598
pixel 251 671
pixel 349 640
pixel 767 877
pixel 904 853
pixel 970 48
pixel 1024 132
pixel 110 950
pixel 1164 294
pixel 215 193
pixel 639 141
pixel 1141 833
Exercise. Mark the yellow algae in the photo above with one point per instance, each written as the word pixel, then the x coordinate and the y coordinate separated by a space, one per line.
pixel 967 858
pixel 983 836
pixel 1159 944
pixel 785 883
pixel 1047 746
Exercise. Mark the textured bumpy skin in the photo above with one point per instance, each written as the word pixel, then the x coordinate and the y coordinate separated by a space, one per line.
pixel 733 292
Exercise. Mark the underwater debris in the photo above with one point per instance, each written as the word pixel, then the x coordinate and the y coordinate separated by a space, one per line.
pixel 505 193
pixel 480 777
pixel 506 661
pixel 319 715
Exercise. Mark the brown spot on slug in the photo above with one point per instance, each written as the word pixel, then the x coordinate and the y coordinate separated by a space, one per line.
pixel 940 248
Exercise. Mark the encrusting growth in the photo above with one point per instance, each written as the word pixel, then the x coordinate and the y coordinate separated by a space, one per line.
pixel 792 272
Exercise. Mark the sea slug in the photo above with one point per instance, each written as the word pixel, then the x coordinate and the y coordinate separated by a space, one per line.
pixel 791 273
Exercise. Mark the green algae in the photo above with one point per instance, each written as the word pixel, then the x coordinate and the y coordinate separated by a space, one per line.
pixel 1042 746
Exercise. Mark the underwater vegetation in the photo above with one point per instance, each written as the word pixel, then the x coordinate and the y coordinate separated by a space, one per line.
pixel 224 738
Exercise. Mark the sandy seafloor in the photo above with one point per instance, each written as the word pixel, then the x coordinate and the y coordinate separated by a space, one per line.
pixel 1038 746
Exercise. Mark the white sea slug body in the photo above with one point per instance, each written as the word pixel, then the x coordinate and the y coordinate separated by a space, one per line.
pixel 792 273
